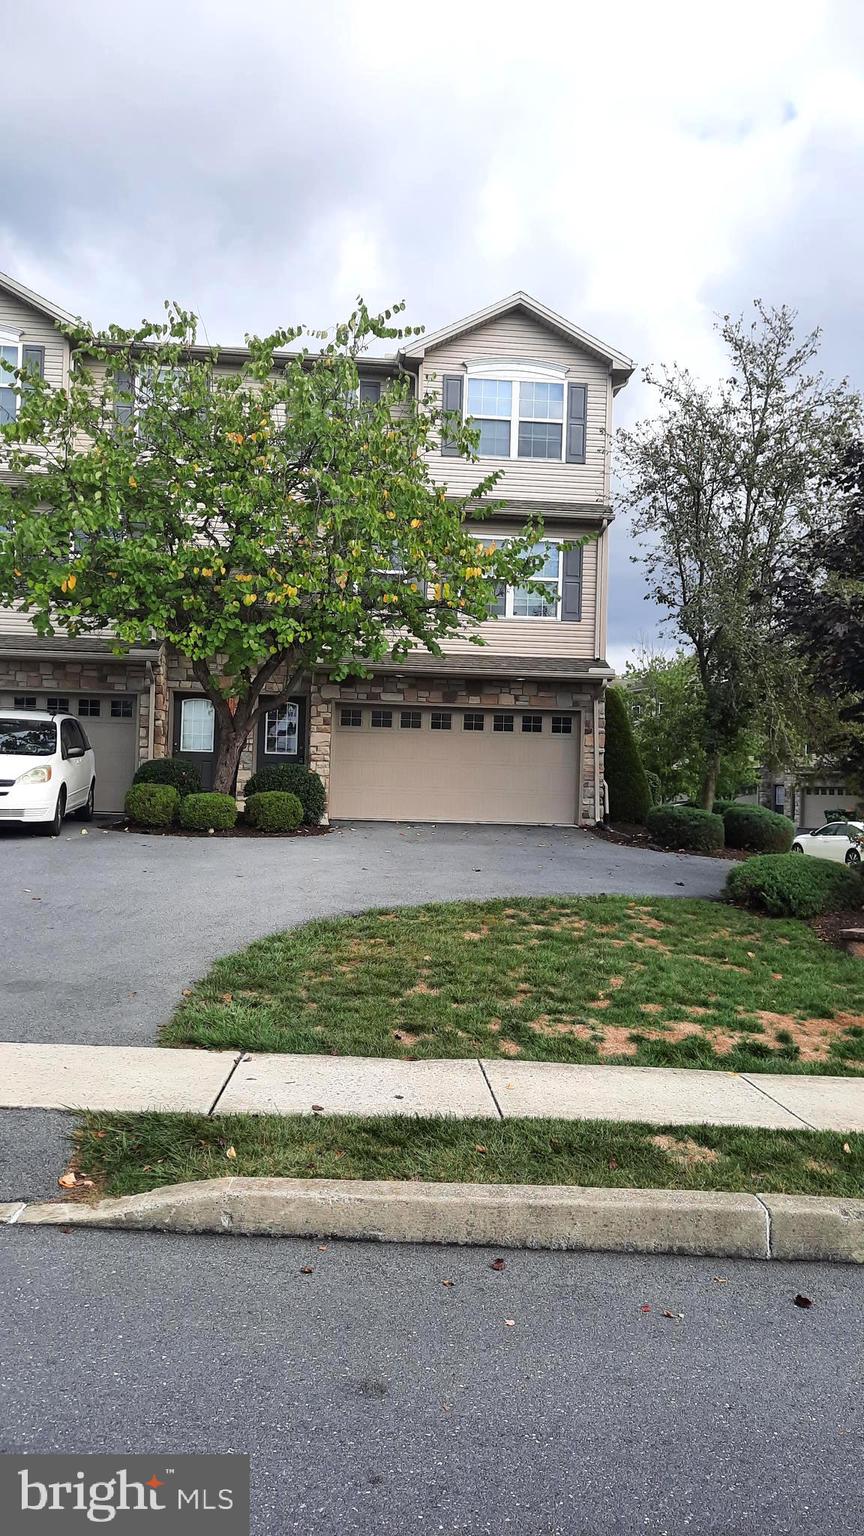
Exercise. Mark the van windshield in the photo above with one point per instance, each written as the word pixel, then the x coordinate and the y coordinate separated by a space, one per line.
pixel 27 738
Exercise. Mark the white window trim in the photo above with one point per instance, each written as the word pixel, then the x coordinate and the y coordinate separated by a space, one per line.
pixel 515 376
pixel 7 380
pixel 528 618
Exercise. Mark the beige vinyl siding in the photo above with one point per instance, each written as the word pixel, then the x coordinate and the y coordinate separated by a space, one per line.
pixel 541 637
pixel 36 330
pixel 517 336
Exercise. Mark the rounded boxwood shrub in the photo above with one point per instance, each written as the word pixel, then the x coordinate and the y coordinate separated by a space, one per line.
pixel 178 771
pixel 685 826
pixel 274 810
pixel 754 826
pixel 720 807
pixel 203 813
pixel 792 885
pixel 152 805
pixel 629 794
pixel 292 779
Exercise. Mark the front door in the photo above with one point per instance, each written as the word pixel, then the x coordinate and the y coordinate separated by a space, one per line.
pixel 195 734
pixel 282 734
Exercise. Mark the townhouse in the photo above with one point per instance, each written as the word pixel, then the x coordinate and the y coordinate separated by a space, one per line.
pixel 508 733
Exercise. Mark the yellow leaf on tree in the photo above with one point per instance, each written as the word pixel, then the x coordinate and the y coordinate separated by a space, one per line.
pixel 133 482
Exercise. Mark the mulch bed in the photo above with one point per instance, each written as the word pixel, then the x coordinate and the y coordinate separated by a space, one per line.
pixel 627 835
pixel 241 830
pixel 831 924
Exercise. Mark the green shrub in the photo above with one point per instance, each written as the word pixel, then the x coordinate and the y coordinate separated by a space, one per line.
pixel 178 771
pixel 685 826
pixel 152 805
pixel 274 810
pixel 203 813
pixel 838 814
pixel 792 885
pixel 292 779
pixel 654 790
pixel 753 826
pixel 720 807
pixel 629 795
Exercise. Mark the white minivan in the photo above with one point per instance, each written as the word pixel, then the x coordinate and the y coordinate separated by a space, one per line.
pixel 47 769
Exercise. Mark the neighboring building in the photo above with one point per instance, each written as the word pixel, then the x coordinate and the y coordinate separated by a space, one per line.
pixel 512 732
pixel 804 793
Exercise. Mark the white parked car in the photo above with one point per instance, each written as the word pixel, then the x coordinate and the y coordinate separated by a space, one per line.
pixel 47 769
pixel 842 841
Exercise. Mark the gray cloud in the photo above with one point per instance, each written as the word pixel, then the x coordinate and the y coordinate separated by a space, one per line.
pixel 265 164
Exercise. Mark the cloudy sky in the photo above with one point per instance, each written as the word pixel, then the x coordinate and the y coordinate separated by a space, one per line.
pixel 637 166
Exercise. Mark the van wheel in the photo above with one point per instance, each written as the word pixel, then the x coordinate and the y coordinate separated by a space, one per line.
pixel 52 828
pixel 86 811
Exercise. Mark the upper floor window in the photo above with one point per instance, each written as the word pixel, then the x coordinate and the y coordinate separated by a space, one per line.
pixel 534 413
pixel 15 354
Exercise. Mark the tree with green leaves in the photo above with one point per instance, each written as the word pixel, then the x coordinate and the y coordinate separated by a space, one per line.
pixel 262 518
pixel 664 700
pixel 721 482
pixel 823 610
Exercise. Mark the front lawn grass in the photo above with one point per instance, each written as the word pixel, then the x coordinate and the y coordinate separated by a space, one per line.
pixel 645 982
pixel 129 1153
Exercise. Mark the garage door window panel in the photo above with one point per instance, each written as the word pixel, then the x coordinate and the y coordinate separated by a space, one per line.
pixel 90 709
pixel 382 719
pixel 473 721
pixel 351 718
pixel 532 725
pixel 410 720
pixel 502 723
pixel 441 720
pixel 122 709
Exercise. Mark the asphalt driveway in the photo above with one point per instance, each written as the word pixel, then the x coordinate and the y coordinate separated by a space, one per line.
pixel 102 931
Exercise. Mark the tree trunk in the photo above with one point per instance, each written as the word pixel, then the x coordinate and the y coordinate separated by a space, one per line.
pixel 709 781
pixel 231 742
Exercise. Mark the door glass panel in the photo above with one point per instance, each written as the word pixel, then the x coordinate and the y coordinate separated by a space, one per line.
pixel 280 733
pixel 196 726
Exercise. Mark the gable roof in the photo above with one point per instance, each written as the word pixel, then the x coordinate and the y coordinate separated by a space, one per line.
pixel 619 362
pixel 36 301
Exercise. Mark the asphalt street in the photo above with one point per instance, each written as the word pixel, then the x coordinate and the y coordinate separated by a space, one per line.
pixel 376 1400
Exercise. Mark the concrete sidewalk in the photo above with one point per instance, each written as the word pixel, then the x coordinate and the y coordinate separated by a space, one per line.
pixel 225 1082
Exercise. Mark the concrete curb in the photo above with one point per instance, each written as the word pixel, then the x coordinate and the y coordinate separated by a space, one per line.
pixel 497 1215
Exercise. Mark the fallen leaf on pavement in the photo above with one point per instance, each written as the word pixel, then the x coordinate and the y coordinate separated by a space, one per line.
pixel 498 1264
pixel 72 1179
pixel 322 1247
pixel 668 1314
pixel 509 1322
pixel 645 1307
pixel 719 1280
pixel 448 1282
pixel 308 1269
pixel 803 1301
pixel 317 1109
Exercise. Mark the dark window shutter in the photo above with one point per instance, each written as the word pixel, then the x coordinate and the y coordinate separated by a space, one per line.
pixel 33 362
pixel 571 597
pixel 577 400
pixel 124 384
pixel 451 400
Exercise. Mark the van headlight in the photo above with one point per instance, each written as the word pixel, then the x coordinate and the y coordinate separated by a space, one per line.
pixel 35 775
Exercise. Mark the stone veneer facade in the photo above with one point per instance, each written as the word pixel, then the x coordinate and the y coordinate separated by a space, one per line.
pixel 172 673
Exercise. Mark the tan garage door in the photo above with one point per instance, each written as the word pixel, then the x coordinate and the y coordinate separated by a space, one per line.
pixel 393 764
pixel 110 721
